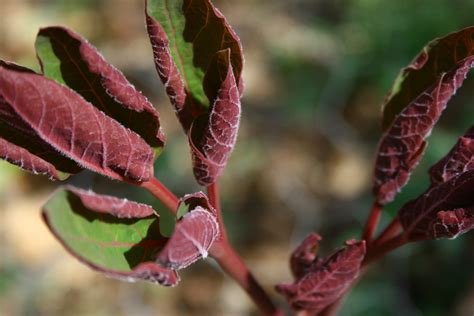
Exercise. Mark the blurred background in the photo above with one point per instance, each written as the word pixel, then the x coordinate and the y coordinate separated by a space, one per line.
pixel 316 73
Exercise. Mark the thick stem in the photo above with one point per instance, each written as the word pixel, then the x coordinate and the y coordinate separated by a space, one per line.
pixel 233 265
pixel 372 222
pixel 165 196
pixel 230 261
pixel 382 249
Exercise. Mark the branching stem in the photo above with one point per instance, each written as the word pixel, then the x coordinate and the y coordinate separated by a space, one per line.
pixel 372 222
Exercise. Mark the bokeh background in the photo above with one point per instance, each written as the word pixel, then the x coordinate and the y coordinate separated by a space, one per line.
pixel 316 73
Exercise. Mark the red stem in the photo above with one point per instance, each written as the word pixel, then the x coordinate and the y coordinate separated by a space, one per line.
pixel 393 229
pixel 372 222
pixel 165 196
pixel 229 260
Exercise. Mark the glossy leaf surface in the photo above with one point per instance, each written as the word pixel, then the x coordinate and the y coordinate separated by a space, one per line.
pixel 121 242
pixel 71 60
pixel 35 105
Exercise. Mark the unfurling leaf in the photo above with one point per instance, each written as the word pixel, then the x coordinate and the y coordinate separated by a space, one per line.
pixel 326 280
pixel 69 59
pixel 36 109
pixel 212 138
pixel 414 105
pixel 460 159
pixel 445 210
pixel 193 235
pixel 305 255
pixel 199 60
pixel 116 237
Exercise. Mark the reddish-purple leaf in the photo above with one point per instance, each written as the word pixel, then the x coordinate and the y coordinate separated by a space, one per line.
pixel 326 280
pixel 199 59
pixel 21 146
pixel 212 138
pixel 442 55
pixel 304 255
pixel 403 144
pixel 460 159
pixel 443 211
pixel 69 58
pixel 194 234
pixel 185 36
pixel 120 208
pixel 72 126
pixel 116 237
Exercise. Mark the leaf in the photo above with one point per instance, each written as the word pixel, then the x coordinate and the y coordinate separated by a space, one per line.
pixel 185 36
pixel 20 145
pixel 199 59
pixel 113 236
pixel 34 105
pixel 460 159
pixel 212 138
pixel 419 96
pixel 442 55
pixel 69 59
pixel 445 209
pixel 194 233
pixel 327 279
pixel 304 255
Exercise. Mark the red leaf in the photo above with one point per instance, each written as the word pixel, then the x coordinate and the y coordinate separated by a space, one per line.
pixel 443 211
pixel 22 147
pixel 326 280
pixel 193 235
pixel 402 146
pixel 442 55
pixel 304 256
pixel 209 32
pixel 460 159
pixel 212 138
pixel 86 71
pixel 169 73
pixel 120 208
pixel 70 125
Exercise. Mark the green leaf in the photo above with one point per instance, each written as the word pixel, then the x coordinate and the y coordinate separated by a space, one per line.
pixel 100 239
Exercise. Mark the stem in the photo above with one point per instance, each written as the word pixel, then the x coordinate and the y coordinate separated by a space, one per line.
pixel 165 196
pixel 232 264
pixel 382 249
pixel 372 222
pixel 393 229
pixel 230 261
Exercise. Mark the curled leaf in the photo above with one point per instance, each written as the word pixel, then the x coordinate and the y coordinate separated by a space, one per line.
pixel 413 107
pixel 304 255
pixel 199 60
pixel 116 237
pixel 212 138
pixel 71 60
pixel 34 105
pixel 194 234
pixel 460 159
pixel 326 280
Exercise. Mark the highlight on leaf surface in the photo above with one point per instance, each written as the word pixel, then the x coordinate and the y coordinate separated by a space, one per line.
pixel 199 60
pixel 326 280
pixel 445 210
pixel 116 237
pixel 415 104
pixel 37 113
pixel 70 59
pixel 194 233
